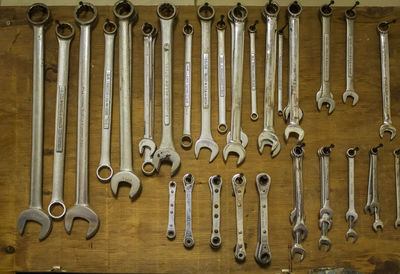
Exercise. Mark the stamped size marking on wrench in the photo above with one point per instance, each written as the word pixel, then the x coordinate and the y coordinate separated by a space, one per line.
pixel 147 147
pixel 222 126
pixel 35 212
pixel 397 174
pixel 188 183
pixel 239 188
pixel 215 184
pixel 171 216
pixel 81 209
pixel 253 78
pixel 263 253
pixel 351 214
pixel 110 30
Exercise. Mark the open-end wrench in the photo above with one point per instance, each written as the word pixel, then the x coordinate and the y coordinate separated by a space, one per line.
pixel 351 214
pixel 351 16
pixel 206 15
pixel 215 184
pixel 188 183
pixel 324 95
pixel 294 11
pixel 147 147
pixel 253 78
pixel 268 136
pixel 387 126
pixel 239 188
pixel 222 126
pixel 397 174
pixel 166 152
pixel 280 71
pixel 186 141
pixel 235 139
pixel 126 14
pixel 109 29
pixel 85 16
pixel 263 253
pixel 38 16
pixel 171 216
pixel 65 33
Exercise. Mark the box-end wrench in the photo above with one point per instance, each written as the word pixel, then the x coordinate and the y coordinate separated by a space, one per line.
pixel 38 15
pixel 351 16
pixel 188 183
pixel 351 214
pixel 263 253
pixel 239 188
pixel 253 78
pixel 171 216
pixel 65 33
pixel 85 16
pixel 222 126
pixel 295 114
pixel 324 95
pixel 397 174
pixel 215 184
pixel 186 140
pixel 110 30
pixel 166 152
pixel 268 136
pixel 126 14
pixel 387 126
pixel 206 15
pixel 147 147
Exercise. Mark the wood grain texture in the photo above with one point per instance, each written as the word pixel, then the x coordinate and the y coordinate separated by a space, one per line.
pixel 132 234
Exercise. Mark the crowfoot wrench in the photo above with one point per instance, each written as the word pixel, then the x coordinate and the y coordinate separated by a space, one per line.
pixel 188 183
pixel 215 184
pixel 351 214
pixel 239 188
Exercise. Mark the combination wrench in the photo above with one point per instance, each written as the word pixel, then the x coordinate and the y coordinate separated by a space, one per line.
pixel 126 14
pixel 166 152
pixel 206 15
pixel 171 216
pixel 324 95
pixel 263 253
pixel 65 33
pixel 397 174
pixel 85 16
pixel 110 30
pixel 293 111
pixel 38 15
pixel 253 78
pixel 239 188
pixel 373 205
pixel 351 16
pixel 351 214
pixel 387 126
pixel 215 184
pixel 186 141
pixel 222 126
pixel 188 183
pixel 280 69
pixel 268 136
pixel 147 147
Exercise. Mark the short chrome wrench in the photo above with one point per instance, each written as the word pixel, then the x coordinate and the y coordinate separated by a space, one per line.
pixel 387 126
pixel 215 184
pixel 324 95
pixel 147 147
pixel 222 126
pixel 81 209
pixel 351 214
pixel 188 183
pixel 110 30
pixel 239 188
pixel 171 215
pixel 253 78
pixel 65 33
pixel 397 174
pixel 35 212
pixel 268 136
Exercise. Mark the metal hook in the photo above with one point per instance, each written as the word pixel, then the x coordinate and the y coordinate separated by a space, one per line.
pixel 355 5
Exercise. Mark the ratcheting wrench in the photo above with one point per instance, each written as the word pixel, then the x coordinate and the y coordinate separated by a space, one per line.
pixel 351 214
pixel 397 173
pixel 221 26
pixel 239 188
pixel 215 184
pixel 253 80
pixel 171 216
pixel 35 212
pixel 81 209
pixel 188 183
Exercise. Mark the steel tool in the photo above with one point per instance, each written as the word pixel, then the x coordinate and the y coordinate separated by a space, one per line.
pixel 215 184
pixel 171 216
pixel 239 188
pixel 188 183
pixel 253 78
pixel 222 126
pixel 351 214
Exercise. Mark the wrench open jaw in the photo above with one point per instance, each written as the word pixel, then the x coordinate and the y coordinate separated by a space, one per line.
pixel 387 127
pixel 243 138
pixel 286 113
pixel 269 138
pixel 351 233
pixel 36 215
pixel 326 100
pixel 85 213
pixel 167 155
pixel 147 166
pixel 298 249
pixel 206 143
pixel 324 240
pixel 234 148
pixel 350 93
pixel 294 129
pixel 126 176
pixel 378 224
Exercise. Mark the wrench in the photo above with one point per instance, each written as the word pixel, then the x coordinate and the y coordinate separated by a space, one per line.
pixel 126 14
pixel 206 15
pixel 239 188
pixel 171 219
pixel 35 212
pixel 215 184
pixel 222 127
pixel 280 67
pixel 324 95
pixel 351 16
pixel 383 29
pixel 166 152
pixel 253 80
pixel 147 147
pixel 351 214
pixel 109 29
pixel 397 172
pixel 268 137
pixel 81 208
pixel 186 141
pixel 263 254
pixel 235 144
pixel 65 33
pixel 188 183
pixel 294 11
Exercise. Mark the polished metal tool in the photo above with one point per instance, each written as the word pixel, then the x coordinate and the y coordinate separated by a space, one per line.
pixel 171 213
pixel 215 184
pixel 188 183
pixel 222 126
pixel 253 76
pixel 239 188
pixel 351 214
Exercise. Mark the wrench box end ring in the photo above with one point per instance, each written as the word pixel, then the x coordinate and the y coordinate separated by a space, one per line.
pixel 271 9
pixel 53 205
pixel 254 116
pixel 81 13
pixel 148 168
pixel 383 27
pixel 186 141
pixel 110 27
pixel 294 9
pixel 124 9
pixel 206 12
pixel 222 128
pixel 325 10
pixel 65 31
pixel 166 11
pixel 38 14
pixel 102 168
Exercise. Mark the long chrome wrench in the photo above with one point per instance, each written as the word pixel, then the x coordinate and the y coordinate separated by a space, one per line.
pixel 171 213
pixel 110 30
pixel 397 179
pixel 253 78
pixel 215 184
pixel 188 183
pixel 280 73
pixel 351 214
pixel 222 126
pixel 239 188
